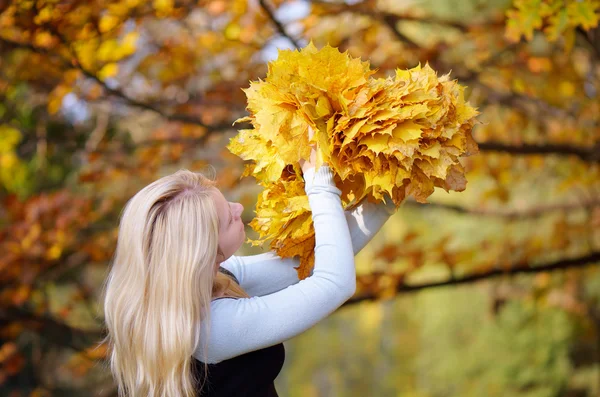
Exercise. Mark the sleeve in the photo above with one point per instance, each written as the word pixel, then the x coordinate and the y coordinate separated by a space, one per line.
pixel 239 326
pixel 266 273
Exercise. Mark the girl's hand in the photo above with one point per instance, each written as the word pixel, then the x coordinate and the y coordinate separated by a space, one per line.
pixel 306 165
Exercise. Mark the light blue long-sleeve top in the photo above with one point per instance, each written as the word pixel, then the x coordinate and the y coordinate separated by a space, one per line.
pixel 280 305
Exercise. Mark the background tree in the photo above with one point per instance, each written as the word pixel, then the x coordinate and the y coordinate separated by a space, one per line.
pixel 99 98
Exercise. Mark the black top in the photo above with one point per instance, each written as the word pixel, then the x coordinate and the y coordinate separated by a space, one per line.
pixel 248 375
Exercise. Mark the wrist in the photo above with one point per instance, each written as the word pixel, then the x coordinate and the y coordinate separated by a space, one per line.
pixel 321 177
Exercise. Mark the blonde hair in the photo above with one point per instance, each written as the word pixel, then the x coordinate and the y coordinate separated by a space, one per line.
pixel 160 286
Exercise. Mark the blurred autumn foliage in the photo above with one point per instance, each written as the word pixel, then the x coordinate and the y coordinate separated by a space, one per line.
pixel 99 98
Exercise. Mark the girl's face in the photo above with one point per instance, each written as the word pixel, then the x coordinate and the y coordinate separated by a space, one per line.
pixel 231 228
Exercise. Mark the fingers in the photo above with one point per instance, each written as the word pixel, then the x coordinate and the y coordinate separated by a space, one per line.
pixel 305 165
pixel 311 132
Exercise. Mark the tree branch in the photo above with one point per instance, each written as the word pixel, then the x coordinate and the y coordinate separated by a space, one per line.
pixel 128 148
pixel 114 92
pixel 509 213
pixel 278 25
pixel 390 20
pixel 365 9
pixel 591 154
pixel 587 36
pixel 589 259
pixel 516 100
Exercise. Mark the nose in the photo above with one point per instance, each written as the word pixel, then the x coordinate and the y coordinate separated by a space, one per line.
pixel 239 209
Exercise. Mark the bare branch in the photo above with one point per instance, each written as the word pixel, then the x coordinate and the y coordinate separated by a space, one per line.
pixel 391 22
pixel 591 38
pixel 518 101
pixel 592 258
pixel 367 9
pixel 278 25
pixel 511 214
pixel 591 154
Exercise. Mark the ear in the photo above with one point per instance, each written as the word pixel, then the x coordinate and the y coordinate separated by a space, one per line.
pixel 220 256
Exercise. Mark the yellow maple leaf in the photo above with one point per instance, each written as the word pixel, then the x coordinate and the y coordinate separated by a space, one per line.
pixel 383 138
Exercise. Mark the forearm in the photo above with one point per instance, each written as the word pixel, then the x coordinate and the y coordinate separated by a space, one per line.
pixel 267 273
pixel 365 220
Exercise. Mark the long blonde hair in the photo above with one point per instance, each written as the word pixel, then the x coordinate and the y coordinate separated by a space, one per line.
pixel 161 282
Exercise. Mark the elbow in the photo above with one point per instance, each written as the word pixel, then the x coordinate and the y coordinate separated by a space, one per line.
pixel 350 290
pixel 340 274
pixel 349 286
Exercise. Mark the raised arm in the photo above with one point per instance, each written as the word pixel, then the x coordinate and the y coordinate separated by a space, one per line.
pixel 242 325
pixel 266 273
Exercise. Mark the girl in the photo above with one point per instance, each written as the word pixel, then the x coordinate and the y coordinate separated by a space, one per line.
pixel 186 317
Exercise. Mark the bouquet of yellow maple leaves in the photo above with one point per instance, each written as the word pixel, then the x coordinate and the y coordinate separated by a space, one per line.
pixel 395 136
